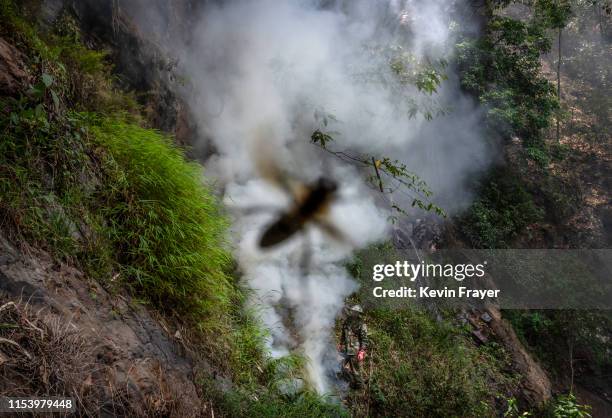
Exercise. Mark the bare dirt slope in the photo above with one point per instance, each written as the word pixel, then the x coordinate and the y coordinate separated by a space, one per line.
pixel 111 354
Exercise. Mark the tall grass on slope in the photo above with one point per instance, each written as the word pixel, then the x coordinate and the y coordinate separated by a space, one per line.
pixel 164 221
pixel 81 180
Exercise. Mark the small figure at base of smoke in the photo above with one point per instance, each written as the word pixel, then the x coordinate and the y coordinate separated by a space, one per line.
pixel 353 344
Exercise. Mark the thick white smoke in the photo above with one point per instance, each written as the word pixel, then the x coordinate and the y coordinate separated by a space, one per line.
pixel 272 65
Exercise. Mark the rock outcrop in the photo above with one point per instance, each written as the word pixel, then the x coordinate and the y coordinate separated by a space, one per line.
pixel 13 73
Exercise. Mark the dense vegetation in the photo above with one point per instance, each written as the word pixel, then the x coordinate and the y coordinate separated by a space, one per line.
pixel 502 67
pixel 531 192
pixel 504 207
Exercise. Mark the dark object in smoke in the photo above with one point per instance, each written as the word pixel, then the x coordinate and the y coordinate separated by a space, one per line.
pixel 310 202
pixel 309 206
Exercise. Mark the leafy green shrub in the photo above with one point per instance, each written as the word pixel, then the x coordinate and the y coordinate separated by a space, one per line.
pixel 43 168
pixel 539 155
pixel 513 411
pixel 502 69
pixel 504 207
pixel 567 406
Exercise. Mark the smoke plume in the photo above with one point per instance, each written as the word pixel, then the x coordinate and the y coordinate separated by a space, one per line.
pixel 270 66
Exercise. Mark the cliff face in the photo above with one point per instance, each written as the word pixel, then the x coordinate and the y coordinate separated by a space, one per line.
pixel 133 34
pixel 13 74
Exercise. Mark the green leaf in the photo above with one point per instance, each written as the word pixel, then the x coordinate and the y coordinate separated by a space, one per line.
pixel 321 138
pixel 47 79
pixel 56 101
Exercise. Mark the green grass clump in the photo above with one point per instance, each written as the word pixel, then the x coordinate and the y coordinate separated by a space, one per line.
pixel 111 196
pixel 270 406
pixel 165 224
pixel 267 403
